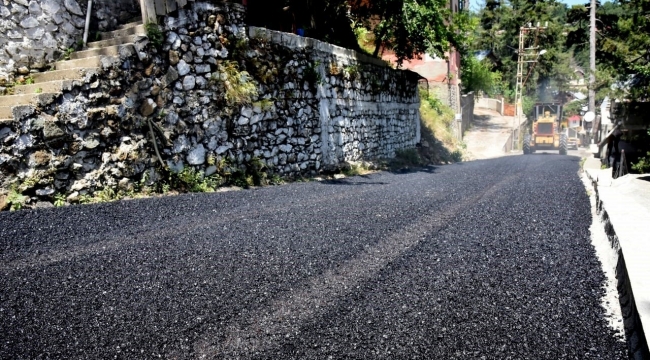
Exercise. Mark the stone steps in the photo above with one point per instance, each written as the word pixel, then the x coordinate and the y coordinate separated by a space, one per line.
pixel 89 62
pixel 114 50
pixel 66 74
pixel 5 112
pixel 134 23
pixel 48 85
pixel 135 29
pixel 54 86
pixel 114 41
pixel 25 99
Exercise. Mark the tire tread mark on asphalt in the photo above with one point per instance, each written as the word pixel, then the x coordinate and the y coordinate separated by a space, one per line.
pixel 264 329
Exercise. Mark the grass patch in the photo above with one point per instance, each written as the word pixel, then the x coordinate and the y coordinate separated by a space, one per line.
pixel 356 169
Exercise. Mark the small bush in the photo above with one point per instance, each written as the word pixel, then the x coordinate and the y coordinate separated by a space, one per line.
pixel 154 34
pixel 643 165
pixel 239 88
pixel 16 199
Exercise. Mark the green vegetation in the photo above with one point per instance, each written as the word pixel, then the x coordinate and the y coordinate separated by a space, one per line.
pixel 16 199
pixel 239 88
pixel 440 144
pixel 351 72
pixel 155 35
pixel 67 53
pixel 311 74
pixel 478 76
pixel 643 165
pixel 59 200
pixel 409 27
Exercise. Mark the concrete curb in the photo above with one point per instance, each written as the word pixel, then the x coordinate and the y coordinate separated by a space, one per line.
pixel 637 338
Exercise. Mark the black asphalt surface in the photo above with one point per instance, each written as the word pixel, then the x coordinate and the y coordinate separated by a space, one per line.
pixel 480 260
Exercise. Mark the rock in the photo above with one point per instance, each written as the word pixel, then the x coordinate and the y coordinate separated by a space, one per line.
pixel 80 185
pixel 45 192
pixel 35 8
pixel 222 149
pixel 29 22
pixel 73 7
pixel 43 205
pixel 202 69
pixel 189 82
pixel 172 38
pixel 183 68
pixel 3 202
pixel 211 170
pixel 197 155
pixel 23 70
pixel 175 166
pixel 148 107
pixel 174 57
pixel 22 111
pixel 285 148
pixel 91 143
pixel 73 197
pixel 50 7
pixel 243 120
pixel 169 78
pixel 40 158
pixel 125 184
pixel 247 112
pixel 24 142
pixel 51 131
pixel 181 144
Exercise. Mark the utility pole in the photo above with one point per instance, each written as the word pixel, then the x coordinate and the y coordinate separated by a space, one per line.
pixel 592 57
pixel 525 55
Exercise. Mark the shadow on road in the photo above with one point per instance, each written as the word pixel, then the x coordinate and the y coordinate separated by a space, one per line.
pixel 483 121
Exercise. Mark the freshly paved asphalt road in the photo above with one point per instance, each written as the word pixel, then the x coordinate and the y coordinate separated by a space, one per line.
pixel 482 260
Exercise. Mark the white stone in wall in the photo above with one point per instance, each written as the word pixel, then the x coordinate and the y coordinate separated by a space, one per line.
pixel 222 149
pixel 73 7
pixel 181 144
pixel 189 82
pixel 35 33
pixel 29 22
pixel 197 155
pixel 243 120
pixel 183 68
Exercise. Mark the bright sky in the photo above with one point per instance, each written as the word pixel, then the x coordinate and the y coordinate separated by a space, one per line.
pixel 574 2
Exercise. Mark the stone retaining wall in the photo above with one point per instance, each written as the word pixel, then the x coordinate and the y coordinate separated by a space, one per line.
pixel 215 100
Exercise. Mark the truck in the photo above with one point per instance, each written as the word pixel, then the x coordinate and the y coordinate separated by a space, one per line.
pixel 547 131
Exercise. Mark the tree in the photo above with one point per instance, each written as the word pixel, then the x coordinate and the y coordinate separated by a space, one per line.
pixel 409 27
pixel 624 46
pixel 325 20
pixel 500 24
pixel 477 75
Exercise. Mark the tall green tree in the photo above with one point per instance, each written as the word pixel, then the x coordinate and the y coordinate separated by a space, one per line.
pixel 500 25
pixel 623 51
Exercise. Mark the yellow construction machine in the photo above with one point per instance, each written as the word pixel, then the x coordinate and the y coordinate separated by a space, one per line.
pixel 547 132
